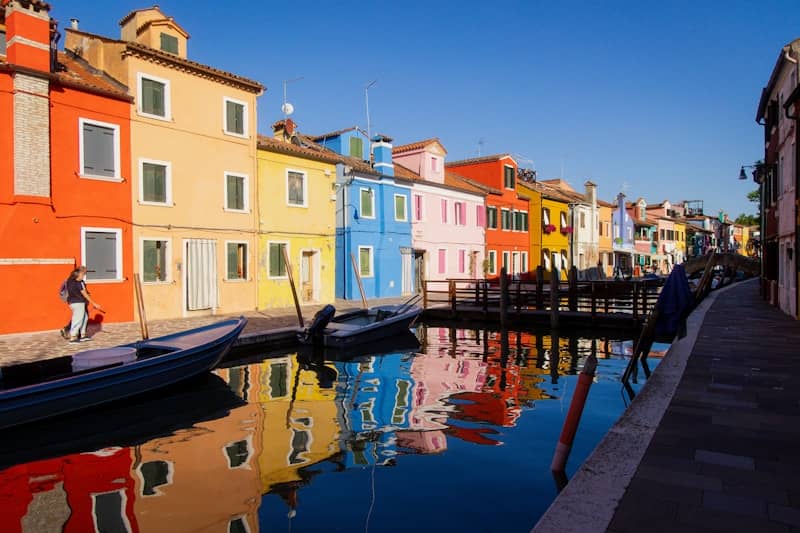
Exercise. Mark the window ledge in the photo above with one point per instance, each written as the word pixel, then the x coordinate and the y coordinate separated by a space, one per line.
pixel 228 280
pixel 304 206
pixel 90 281
pixel 101 178
pixel 234 134
pixel 157 204
pixel 157 283
pixel 240 211
pixel 154 117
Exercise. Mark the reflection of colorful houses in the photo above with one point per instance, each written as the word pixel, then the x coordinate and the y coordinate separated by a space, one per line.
pixel 76 493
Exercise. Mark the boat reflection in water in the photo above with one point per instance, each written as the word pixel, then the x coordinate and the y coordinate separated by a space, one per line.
pixel 443 432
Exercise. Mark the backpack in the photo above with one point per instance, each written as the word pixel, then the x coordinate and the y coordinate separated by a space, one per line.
pixel 63 293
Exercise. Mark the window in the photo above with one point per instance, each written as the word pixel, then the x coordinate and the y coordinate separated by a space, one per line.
pixel 3 42
pixel 357 147
pixel 237 453
pixel 238 525
pixel 607 232
pixel 235 192
pixel 435 164
pixel 506 262
pixel 235 117
pixel 583 219
pixel 417 207
pixel 460 212
pixel 563 217
pixel 153 97
pixel 365 261
pixel 505 219
pixel 491 217
pixel 480 216
pixel 508 177
pixel 491 259
pixel 545 216
pixel 462 260
pixel 442 261
pixel 102 253
pixel 400 208
pixel 154 474
pixel 236 253
pixel 367 203
pixel 155 256
pixel 546 259
pixel 444 211
pixel 169 43
pixel 523 216
pixel 296 191
pixel 277 263
pixel 99 150
pixel 108 509
pixel 523 267
pixel 155 182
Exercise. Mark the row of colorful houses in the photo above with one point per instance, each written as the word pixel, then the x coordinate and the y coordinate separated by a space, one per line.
pixel 130 158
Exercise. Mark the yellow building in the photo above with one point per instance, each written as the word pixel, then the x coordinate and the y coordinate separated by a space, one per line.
pixel 193 153
pixel 526 189
pixel 298 209
pixel 606 244
pixel 680 241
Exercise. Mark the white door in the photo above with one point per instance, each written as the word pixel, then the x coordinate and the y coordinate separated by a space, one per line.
pixel 201 274
pixel 406 277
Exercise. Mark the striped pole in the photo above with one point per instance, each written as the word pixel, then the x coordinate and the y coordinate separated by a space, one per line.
pixel 570 428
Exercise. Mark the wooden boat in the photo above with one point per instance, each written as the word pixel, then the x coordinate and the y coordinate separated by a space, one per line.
pixel 362 325
pixel 43 389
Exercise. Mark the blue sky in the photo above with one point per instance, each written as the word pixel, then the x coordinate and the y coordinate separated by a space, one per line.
pixel 654 98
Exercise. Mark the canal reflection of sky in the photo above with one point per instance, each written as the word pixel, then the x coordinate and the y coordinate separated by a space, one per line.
pixel 455 435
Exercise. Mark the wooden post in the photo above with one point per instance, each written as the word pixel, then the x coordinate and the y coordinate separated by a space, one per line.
pixel 519 296
pixel 555 297
pixel 358 279
pixel 137 285
pixel 540 287
pixel 291 284
pixel 425 294
pixel 572 277
pixel 485 297
pixel 594 301
pixel 635 299
pixel 503 297
pixel 451 295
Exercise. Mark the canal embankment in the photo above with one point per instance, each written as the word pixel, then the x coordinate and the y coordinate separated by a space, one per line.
pixel 710 441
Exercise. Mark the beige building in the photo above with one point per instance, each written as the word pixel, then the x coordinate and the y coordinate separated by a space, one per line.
pixel 193 167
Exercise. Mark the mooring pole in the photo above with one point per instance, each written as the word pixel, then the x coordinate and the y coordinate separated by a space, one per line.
pixel 554 298
pixel 503 298
pixel 570 428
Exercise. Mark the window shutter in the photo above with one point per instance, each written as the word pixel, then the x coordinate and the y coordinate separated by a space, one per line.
pixel 153 97
pixel 357 147
pixel 444 211
pixel 461 261
pixel 442 258
pixel 234 115
pixel 480 215
pixel 98 150
pixel 101 255
pixel 169 43
pixel 233 261
pixel 418 207
pixel 363 261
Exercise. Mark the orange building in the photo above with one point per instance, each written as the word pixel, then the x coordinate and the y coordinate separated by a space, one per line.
pixel 507 240
pixel 65 195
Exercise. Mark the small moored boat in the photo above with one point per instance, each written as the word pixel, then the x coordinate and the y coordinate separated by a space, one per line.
pixel 43 389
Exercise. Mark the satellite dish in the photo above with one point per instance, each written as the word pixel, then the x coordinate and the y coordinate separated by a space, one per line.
pixel 287 108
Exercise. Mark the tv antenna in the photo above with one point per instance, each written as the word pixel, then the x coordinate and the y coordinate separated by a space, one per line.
pixel 481 142
pixel 366 103
pixel 286 107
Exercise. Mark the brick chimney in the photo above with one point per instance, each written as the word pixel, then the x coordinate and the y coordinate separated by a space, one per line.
pixel 284 129
pixel 382 155
pixel 28 33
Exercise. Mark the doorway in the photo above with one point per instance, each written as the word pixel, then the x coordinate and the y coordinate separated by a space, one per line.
pixel 419 270
pixel 308 276
pixel 200 274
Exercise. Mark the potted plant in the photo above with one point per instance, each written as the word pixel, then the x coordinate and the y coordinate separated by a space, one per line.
pixel 549 228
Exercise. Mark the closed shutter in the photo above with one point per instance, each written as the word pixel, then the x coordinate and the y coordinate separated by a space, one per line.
pixel 235 188
pixel 277 263
pixel 101 255
pixel 153 97
pixel 356 147
pixel 154 183
pixel 234 114
pixel 480 215
pixel 444 211
pixel 98 151
pixel 201 274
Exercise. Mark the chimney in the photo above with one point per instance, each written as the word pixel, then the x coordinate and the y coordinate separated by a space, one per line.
pixel 382 155
pixel 284 129
pixel 621 202
pixel 28 34
pixel 73 23
pixel 591 193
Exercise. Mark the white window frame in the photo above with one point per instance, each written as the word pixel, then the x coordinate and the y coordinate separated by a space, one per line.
pixel 505 214
pixel 371 261
pixel 245 117
pixel 246 178
pixel 507 262
pixel 405 207
pixel 118 255
pixel 492 257
pixel 288 253
pixel 523 262
pixel 457 213
pixel 305 188
pixel 246 262
pixel 168 184
pixel 514 177
pixel 167 97
pixel 167 253
pixel 117 177
pixel 371 192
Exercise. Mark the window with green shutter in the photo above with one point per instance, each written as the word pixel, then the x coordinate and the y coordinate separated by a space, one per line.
pixel 277 263
pixel 505 219
pixel 367 201
pixel 357 147
pixel 234 117
pixel 154 261
pixel 400 207
pixel 365 261
pixel 153 97
pixel 169 43
pixel 99 150
pixel 491 217
pixel 237 260
pixel 295 183
pixel 3 42
pixel 235 192
pixel 508 177
pixel 154 183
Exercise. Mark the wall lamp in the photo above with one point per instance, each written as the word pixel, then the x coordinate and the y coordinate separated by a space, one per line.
pixel 743 174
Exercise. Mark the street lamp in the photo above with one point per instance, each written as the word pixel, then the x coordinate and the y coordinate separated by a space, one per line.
pixel 743 174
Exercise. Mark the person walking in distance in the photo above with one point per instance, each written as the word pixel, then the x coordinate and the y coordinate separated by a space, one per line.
pixel 79 299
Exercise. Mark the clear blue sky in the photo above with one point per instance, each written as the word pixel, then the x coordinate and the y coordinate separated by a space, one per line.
pixel 656 97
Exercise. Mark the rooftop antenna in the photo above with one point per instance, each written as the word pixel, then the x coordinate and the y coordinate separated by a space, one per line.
pixel 366 103
pixel 481 142
pixel 288 108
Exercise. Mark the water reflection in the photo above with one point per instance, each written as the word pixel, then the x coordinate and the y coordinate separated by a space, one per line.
pixel 266 450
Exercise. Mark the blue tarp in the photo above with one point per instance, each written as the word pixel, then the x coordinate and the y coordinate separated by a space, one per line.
pixel 674 303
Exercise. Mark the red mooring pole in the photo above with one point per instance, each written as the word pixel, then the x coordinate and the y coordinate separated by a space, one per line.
pixel 570 428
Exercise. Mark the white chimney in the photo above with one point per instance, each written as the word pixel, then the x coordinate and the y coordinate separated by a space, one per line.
pixel 73 23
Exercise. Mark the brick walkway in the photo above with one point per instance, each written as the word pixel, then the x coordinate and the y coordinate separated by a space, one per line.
pixel 25 347
pixel 726 455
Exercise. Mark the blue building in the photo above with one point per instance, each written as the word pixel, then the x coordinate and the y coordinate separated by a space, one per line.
pixel 373 221
pixel 622 237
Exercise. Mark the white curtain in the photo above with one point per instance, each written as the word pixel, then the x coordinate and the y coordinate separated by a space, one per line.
pixel 201 274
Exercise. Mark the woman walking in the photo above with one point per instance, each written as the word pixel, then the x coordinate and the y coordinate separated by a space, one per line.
pixel 78 299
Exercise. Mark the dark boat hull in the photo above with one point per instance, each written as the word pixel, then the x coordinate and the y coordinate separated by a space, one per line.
pixel 358 327
pixel 84 389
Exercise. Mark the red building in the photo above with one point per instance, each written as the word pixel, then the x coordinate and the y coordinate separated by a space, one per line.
pixel 507 239
pixel 65 196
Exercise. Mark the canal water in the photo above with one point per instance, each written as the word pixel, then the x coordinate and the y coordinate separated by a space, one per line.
pixel 445 430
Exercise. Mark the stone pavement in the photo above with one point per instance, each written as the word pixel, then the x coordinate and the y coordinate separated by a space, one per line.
pixel 726 455
pixel 23 347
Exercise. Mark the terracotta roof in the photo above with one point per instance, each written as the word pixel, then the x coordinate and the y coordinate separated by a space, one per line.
pixel 315 152
pixel 484 159
pixel 460 182
pixel 167 20
pixel 336 133
pixel 603 203
pixel 37 4
pixel 80 75
pixel 477 185
pixel 559 183
pixel 417 146
pixel 132 14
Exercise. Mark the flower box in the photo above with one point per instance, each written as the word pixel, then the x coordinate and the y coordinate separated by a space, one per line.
pixel 549 228
pixel 566 229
